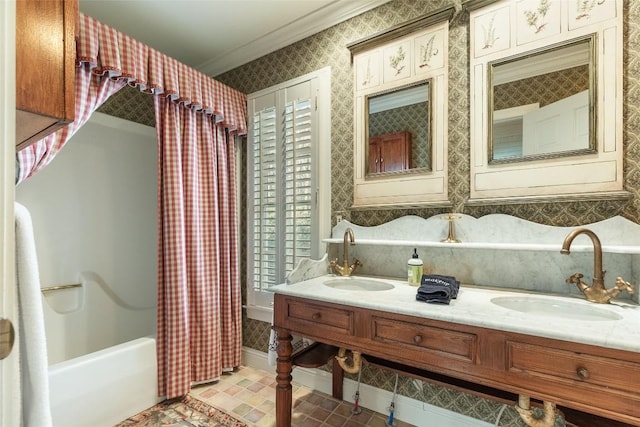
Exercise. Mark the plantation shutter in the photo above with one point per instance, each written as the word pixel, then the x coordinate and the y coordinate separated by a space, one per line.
pixel 283 186
pixel 298 183
pixel 265 200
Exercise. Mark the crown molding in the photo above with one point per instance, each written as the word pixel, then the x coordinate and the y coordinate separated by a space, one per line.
pixel 439 15
pixel 335 13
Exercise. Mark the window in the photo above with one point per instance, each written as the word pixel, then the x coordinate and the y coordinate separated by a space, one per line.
pixel 288 200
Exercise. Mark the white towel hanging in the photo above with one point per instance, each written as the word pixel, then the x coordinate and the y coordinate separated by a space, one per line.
pixel 34 370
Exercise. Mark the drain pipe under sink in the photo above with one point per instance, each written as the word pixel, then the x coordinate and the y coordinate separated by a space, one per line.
pixel 342 361
pixel 547 419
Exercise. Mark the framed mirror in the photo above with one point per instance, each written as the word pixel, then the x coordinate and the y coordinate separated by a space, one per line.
pixel 542 103
pixel 400 80
pixel 398 126
pixel 546 119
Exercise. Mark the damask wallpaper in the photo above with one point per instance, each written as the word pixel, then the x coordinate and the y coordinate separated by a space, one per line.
pixel 329 48
pixel 544 89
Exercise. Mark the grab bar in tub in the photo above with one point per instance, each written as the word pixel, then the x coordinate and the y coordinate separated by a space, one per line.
pixel 60 287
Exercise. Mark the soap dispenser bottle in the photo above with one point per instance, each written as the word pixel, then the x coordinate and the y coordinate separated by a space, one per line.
pixel 414 269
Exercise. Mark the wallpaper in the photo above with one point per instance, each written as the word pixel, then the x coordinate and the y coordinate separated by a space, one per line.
pixel 329 48
pixel 130 104
pixel 543 89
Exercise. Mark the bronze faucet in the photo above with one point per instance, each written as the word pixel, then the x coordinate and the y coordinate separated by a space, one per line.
pixel 345 269
pixel 596 292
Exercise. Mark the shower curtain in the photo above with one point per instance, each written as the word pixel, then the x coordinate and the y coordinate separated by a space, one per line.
pixel 91 92
pixel 197 118
pixel 198 296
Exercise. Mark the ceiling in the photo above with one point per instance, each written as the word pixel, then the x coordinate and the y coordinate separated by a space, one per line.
pixel 215 36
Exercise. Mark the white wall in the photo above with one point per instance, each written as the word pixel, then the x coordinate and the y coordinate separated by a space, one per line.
pixel 94 212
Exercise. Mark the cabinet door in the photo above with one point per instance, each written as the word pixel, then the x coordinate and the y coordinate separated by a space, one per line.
pixel 390 152
pixel 395 152
pixel 374 154
pixel 45 67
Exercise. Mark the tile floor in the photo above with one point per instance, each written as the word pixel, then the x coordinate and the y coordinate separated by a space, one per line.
pixel 249 395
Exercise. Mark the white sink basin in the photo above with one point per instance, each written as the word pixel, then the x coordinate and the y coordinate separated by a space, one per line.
pixel 554 307
pixel 358 284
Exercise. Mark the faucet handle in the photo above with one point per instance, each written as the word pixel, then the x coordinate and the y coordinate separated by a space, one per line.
pixel 624 285
pixel 574 278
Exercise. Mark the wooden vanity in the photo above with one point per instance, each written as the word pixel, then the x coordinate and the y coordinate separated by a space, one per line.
pixel 592 379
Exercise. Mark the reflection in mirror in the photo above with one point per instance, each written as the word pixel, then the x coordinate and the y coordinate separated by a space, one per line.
pixel 398 124
pixel 542 104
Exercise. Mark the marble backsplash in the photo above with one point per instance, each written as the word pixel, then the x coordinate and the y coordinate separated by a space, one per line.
pixel 496 251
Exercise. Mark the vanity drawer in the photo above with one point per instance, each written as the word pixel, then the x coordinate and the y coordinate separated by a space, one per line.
pixel 461 345
pixel 562 365
pixel 323 317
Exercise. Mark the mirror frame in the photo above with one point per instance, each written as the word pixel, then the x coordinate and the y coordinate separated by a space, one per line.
pixel 497 32
pixel 410 188
pixel 592 69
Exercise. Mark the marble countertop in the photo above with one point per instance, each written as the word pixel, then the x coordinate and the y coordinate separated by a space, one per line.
pixel 473 306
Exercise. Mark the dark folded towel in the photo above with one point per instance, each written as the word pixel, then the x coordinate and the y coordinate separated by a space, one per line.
pixel 437 288
pixel 437 281
pixel 433 298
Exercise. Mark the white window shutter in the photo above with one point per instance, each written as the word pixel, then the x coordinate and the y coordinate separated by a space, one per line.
pixel 283 185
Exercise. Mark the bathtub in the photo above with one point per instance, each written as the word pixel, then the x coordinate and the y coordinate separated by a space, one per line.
pixel 101 351
pixel 104 387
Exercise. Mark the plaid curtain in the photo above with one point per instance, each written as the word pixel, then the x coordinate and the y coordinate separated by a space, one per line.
pixel 107 60
pixel 91 92
pixel 199 305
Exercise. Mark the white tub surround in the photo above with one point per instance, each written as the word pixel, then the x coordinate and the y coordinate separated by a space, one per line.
pixel 495 251
pixel 94 218
pixel 92 317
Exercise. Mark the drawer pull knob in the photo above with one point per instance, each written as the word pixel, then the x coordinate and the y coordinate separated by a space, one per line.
pixel 316 316
pixel 417 339
pixel 583 373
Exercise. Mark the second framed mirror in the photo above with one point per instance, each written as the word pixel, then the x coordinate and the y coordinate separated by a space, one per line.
pixel 545 81
pixel 542 104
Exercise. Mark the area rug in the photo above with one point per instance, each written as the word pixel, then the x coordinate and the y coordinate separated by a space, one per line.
pixel 182 412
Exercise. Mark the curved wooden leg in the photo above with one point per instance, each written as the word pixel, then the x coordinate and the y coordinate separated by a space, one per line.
pixel 283 379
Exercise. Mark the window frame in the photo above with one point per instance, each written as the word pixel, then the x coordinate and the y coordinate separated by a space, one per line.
pixel 259 304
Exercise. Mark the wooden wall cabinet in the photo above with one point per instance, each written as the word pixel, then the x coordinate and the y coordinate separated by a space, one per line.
pixel 45 67
pixel 390 152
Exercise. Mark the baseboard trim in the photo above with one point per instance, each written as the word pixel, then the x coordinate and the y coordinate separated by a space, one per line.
pixel 406 409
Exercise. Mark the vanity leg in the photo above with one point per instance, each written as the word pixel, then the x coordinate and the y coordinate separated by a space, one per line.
pixel 283 379
pixel 337 379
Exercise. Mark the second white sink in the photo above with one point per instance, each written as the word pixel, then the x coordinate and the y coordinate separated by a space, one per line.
pixel 358 284
pixel 555 307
